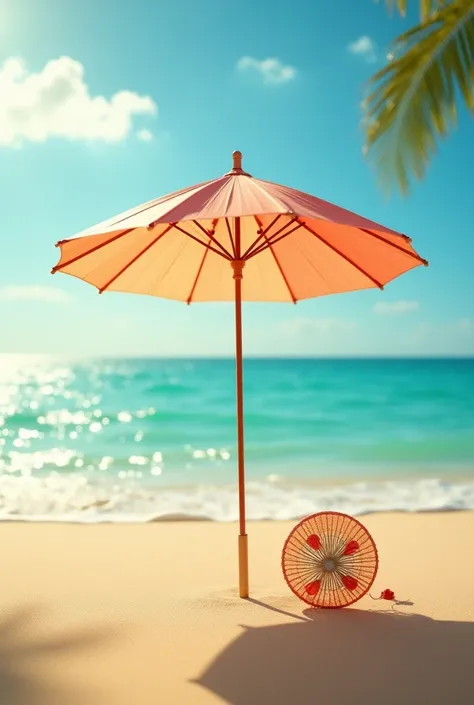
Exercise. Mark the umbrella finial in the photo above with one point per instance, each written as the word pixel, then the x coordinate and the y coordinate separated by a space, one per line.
pixel 237 165
pixel 237 160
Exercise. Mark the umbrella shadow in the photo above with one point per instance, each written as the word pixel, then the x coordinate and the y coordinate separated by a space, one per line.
pixel 21 657
pixel 311 613
pixel 278 610
pixel 348 656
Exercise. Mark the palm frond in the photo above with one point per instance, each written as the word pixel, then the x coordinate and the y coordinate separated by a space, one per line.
pixel 413 99
pixel 427 7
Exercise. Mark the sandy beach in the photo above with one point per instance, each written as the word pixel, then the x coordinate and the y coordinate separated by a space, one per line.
pixel 148 614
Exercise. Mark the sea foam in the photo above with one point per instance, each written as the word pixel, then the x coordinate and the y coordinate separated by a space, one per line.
pixel 77 498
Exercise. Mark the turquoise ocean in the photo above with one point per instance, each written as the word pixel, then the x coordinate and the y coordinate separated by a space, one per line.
pixel 148 439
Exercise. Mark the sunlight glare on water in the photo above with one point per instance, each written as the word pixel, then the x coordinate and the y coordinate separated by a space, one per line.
pixel 108 439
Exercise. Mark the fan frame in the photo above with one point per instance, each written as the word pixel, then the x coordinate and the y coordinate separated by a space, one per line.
pixel 314 604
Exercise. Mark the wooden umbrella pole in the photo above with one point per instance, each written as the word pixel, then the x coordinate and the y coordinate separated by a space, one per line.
pixel 238 266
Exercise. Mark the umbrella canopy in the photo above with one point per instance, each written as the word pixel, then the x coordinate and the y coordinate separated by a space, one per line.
pixel 179 246
pixel 237 239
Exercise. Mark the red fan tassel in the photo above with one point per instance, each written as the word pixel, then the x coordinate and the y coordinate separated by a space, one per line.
pixel 385 595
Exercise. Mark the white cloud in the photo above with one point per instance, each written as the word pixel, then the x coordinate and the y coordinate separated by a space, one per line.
pixel 364 47
pixel 395 308
pixel 144 135
pixel 272 70
pixel 56 102
pixel 51 294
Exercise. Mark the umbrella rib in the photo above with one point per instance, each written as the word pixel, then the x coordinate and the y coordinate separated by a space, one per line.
pixel 229 231
pixel 58 267
pixel 397 247
pixel 273 236
pixel 264 246
pixel 261 234
pixel 134 259
pixel 277 262
pixel 198 274
pixel 196 239
pixel 210 235
pixel 341 254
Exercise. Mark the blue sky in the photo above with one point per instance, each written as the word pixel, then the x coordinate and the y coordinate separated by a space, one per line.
pixel 163 92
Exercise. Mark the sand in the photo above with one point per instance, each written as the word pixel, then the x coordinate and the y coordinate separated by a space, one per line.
pixel 148 615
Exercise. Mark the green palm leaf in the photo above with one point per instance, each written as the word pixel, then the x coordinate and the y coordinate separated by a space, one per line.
pixel 413 98
pixel 427 7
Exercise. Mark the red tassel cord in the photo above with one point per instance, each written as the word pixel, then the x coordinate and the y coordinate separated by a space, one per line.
pixel 385 595
pixel 390 596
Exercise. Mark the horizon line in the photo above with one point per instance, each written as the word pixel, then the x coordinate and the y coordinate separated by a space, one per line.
pixel 250 356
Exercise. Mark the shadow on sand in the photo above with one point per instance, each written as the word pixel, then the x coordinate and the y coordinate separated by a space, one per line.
pixel 348 657
pixel 21 658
